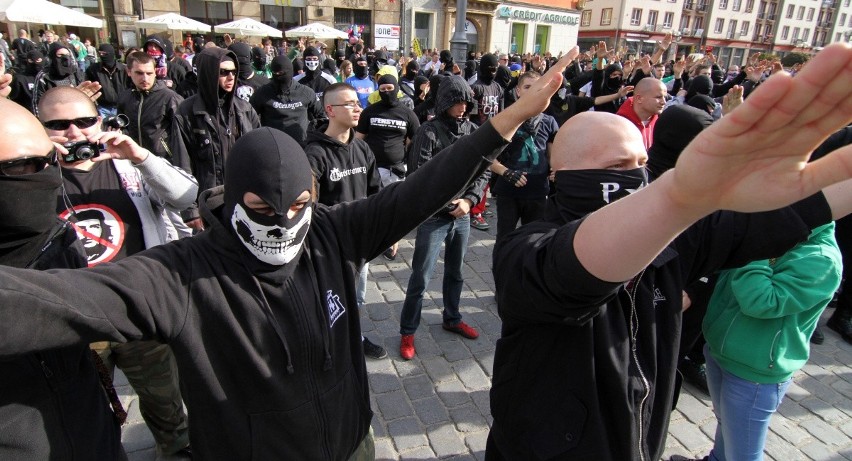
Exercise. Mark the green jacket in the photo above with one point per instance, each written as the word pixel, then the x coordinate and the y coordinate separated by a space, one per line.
pixel 761 316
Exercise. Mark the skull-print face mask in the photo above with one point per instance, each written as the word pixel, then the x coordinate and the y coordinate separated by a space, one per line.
pixel 274 240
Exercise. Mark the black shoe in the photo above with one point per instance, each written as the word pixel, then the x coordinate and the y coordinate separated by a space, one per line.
pixel 817 337
pixel 695 373
pixel 374 351
pixel 842 325
pixel 389 254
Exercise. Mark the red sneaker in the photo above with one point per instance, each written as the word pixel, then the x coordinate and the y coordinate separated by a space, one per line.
pixel 406 347
pixel 463 329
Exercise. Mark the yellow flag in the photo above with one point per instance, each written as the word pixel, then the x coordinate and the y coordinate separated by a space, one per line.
pixel 416 45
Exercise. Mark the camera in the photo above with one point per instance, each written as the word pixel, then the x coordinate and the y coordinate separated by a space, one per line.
pixel 451 207
pixel 115 122
pixel 81 150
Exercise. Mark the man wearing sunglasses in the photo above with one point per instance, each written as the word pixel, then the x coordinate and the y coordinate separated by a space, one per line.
pixel 211 121
pixel 119 208
pixel 41 389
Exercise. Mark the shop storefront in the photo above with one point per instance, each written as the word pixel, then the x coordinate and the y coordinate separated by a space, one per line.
pixel 282 15
pixel 527 29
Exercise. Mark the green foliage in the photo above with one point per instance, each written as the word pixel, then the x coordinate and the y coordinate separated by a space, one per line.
pixel 791 59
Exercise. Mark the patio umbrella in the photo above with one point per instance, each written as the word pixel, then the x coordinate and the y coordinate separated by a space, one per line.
pixel 45 12
pixel 318 31
pixel 173 21
pixel 248 26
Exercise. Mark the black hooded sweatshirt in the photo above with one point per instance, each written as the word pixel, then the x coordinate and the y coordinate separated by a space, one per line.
pixel 603 85
pixel 111 74
pixel 59 72
pixel 676 127
pixel 316 80
pixel 280 359
pixel 248 81
pixel 175 72
pixel 285 104
pixel 487 93
pixel 211 121
pixel 344 172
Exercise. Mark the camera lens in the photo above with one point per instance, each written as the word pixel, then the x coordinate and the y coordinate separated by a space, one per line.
pixel 85 152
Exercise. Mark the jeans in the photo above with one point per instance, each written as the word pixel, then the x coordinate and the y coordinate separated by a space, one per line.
pixel 454 233
pixel 510 210
pixel 107 111
pixel 743 409
pixel 361 286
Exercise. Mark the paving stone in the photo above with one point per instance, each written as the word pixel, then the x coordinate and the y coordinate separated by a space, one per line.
pixel 425 453
pixel 454 351
pixel 446 441
pixel 452 393
pixel 471 375
pixel 407 433
pixel 419 387
pixel 430 411
pixel 393 405
pixel 788 431
pixel 384 382
pixel 468 418
pixel 693 409
pixel 438 369
pixel 824 410
pixel 779 448
pixel 825 432
pixel 691 437
pixel 475 442
pixel 407 368
pixel 820 390
pixel 385 451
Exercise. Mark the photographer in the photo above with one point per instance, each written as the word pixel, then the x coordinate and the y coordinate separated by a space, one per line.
pixel 120 208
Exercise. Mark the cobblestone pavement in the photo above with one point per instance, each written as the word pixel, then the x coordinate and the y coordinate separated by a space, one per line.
pixel 436 405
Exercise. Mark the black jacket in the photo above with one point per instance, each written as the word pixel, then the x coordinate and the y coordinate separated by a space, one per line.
pixel 289 109
pixel 113 82
pixel 586 369
pixel 52 405
pixel 281 363
pixel 151 115
pixel 344 172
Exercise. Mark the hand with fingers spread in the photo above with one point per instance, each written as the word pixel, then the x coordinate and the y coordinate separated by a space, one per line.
pixel 624 91
pixel 666 42
pixel 678 68
pixel 601 51
pixel 92 89
pixel 645 65
pixel 732 100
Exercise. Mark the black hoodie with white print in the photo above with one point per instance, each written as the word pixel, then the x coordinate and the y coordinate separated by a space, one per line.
pixel 344 172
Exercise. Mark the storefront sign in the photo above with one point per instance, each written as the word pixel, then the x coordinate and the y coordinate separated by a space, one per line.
pixel 386 35
pixel 508 12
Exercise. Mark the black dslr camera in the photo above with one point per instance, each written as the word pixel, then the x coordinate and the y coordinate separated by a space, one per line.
pixel 115 122
pixel 82 150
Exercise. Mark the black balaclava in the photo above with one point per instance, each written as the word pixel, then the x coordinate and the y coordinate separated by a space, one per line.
pixel 197 44
pixel 676 127
pixel 389 98
pixel 380 59
pixel 298 66
pixel 469 69
pixel 411 70
pixel 503 77
pixel 282 64
pixel 258 58
pixel 339 57
pixel 311 51
pixel 329 66
pixel 580 192
pixel 447 59
pixel 243 53
pixel 28 209
pixel 107 55
pixel 702 102
pixel 418 81
pixel 700 84
pixel 272 165
pixel 358 70
pixel 488 68
pixel 61 68
pixel 33 66
pixel 613 83
pixel 717 76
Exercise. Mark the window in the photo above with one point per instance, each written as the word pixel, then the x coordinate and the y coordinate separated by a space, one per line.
pixel 668 18
pixel 606 16
pixel 795 34
pixel 736 5
pixel 801 14
pixel 837 37
pixel 805 34
pixel 790 10
pixel 723 4
pixel 684 22
pixel 652 17
pixel 750 6
pixel 586 19
pixel 423 28
pixel 281 17
pixel 636 17
pixel 810 14
pixel 785 32
pixel 842 19
pixel 720 23
pixel 758 29
pixel 699 23
pixel 745 27
pixel 768 31
pixel 732 28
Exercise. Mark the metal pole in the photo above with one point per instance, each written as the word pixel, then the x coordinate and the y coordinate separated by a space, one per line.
pixel 458 44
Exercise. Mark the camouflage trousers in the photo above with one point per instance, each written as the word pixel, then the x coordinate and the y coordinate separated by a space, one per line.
pixel 151 370
pixel 366 451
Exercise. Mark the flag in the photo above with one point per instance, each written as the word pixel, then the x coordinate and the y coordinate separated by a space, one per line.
pixel 416 45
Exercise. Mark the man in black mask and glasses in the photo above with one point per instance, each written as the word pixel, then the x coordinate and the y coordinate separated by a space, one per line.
pixel 112 75
pixel 52 403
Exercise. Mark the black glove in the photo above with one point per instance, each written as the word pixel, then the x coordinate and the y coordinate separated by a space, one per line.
pixel 513 176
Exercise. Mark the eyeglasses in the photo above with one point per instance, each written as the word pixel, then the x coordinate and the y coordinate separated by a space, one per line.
pixel 27 165
pixel 348 105
pixel 62 125
pixel 227 72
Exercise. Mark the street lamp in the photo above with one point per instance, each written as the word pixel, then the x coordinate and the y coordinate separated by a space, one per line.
pixel 458 44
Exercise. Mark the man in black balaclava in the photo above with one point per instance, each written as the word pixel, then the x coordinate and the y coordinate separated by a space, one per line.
pixel 286 104
pixel 447 62
pixel 380 59
pixel 406 83
pixel 62 71
pixel 258 62
pixel 426 111
pixel 361 80
pixel 112 75
pixel 248 81
pixel 329 68
pixel 53 396
pixel 23 81
pixel 607 81
pixel 211 121
pixel 314 77
pixel 487 93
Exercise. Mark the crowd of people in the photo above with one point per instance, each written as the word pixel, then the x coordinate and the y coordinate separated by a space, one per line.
pixel 203 217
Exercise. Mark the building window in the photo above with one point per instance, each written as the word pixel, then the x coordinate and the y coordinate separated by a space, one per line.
pixel 736 5
pixel 768 31
pixel 281 17
pixel 801 14
pixel 606 16
pixel 87 6
pixel 745 27
pixel 842 19
pixel 423 29
pixel 758 28
pixel 810 14
pixel 586 18
pixel 785 31
pixel 519 37
pixel 837 37
pixel 720 24
pixel 344 17
pixel 636 17
pixel 652 17
pixel 805 34
pixel 699 24
pixel 542 38
pixel 684 22
pixel 723 4
pixel 795 34
pixel 732 28
pixel 207 12
pixel 750 5
pixel 790 10
pixel 668 18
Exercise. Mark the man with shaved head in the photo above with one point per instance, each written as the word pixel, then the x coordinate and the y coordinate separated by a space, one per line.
pixel 647 103
pixel 52 404
pixel 591 298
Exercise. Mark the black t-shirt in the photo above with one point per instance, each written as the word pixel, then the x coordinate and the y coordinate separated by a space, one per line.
pixel 105 218
pixel 488 101
pixel 386 129
pixel 246 88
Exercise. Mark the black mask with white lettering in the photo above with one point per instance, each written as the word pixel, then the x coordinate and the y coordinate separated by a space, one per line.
pixel 580 192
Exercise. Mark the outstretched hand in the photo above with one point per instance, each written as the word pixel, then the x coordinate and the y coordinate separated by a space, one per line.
pixel 755 158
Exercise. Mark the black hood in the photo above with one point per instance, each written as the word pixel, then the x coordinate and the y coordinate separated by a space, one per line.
pixel 469 69
pixel 615 67
pixel 419 80
pixel 676 127
pixel 447 59
pixel 282 64
pixel 488 68
pixel 703 103
pixel 258 57
pixel 329 66
pixel 61 68
pixel 700 84
pixel 164 45
pixel 242 51
pixel 311 51
pixel 452 90
pixel 503 77
pixel 411 70
pixel 106 53
pixel 207 65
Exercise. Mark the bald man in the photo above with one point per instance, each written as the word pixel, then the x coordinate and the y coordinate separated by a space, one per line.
pixel 52 405
pixel 647 103
pixel 591 299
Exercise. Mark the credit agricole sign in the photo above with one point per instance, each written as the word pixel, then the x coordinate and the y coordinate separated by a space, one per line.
pixel 509 12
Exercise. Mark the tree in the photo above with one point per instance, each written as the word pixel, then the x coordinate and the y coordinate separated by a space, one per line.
pixel 791 59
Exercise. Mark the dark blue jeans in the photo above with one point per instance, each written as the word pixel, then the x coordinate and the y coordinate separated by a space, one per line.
pixel 454 233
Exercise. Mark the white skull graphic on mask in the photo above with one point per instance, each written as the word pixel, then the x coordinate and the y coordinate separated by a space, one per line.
pixel 274 245
pixel 311 64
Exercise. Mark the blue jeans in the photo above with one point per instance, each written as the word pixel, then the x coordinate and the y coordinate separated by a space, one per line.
pixel 107 111
pixel 454 233
pixel 361 286
pixel 743 409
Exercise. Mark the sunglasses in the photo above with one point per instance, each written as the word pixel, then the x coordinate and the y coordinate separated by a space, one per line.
pixel 27 165
pixel 62 125
pixel 227 72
